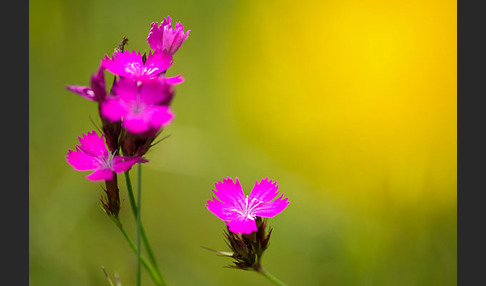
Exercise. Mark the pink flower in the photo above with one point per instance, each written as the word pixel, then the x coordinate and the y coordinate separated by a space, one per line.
pixel 97 92
pixel 162 38
pixel 131 65
pixel 139 105
pixel 92 155
pixel 240 211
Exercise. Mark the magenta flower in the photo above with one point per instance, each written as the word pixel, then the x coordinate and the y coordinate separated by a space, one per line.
pixel 240 211
pixel 92 155
pixel 165 39
pixel 131 65
pixel 97 91
pixel 139 105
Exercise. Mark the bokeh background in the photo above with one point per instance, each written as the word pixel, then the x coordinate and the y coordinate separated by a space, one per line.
pixel 350 105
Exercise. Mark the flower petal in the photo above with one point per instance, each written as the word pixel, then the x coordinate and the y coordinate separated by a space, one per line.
pixel 124 64
pixel 264 191
pixel 154 91
pixel 270 209
pixel 98 84
pixel 242 225
pixel 156 34
pixel 100 175
pixel 126 89
pixel 175 39
pixel 136 123
pixel 174 80
pixel 221 210
pixel 93 144
pixel 260 199
pixel 165 39
pixel 230 193
pixel 122 164
pixel 157 63
pixel 84 91
pixel 160 116
pixel 113 109
pixel 81 161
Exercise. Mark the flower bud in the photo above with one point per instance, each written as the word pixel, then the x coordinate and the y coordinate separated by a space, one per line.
pixel 248 248
pixel 111 204
pixel 137 144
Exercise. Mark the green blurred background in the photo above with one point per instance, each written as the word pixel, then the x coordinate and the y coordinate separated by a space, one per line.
pixel 350 105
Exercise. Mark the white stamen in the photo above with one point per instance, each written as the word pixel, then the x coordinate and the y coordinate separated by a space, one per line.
pixel 246 210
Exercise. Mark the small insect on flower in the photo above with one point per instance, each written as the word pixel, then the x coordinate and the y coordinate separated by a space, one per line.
pixel 240 212
pixel 121 45
pixel 92 155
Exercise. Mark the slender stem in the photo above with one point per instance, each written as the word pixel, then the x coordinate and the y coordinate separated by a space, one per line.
pixel 130 194
pixel 270 277
pixel 107 276
pixel 144 236
pixel 145 263
pixel 139 215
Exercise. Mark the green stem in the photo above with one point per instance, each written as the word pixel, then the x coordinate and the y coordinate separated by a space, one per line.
pixel 145 263
pixel 270 277
pixel 107 276
pixel 139 216
pixel 144 236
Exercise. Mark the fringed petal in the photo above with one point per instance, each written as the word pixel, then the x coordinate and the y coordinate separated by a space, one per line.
pixel 93 144
pixel 81 161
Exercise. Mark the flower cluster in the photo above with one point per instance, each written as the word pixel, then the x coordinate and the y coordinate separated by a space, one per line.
pixel 135 110
pixel 132 114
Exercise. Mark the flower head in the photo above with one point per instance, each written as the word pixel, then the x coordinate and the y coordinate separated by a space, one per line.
pixel 239 211
pixel 132 65
pixel 97 91
pixel 165 39
pixel 92 155
pixel 140 105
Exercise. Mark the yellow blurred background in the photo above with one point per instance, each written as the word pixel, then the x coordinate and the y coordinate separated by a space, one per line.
pixel 349 105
